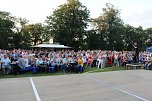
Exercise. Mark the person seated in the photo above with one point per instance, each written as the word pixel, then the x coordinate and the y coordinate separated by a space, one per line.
pixel 72 64
pixel 141 58
pixel 18 65
pixel 40 64
pixel 59 62
pixel 148 65
pixel 28 66
pixel 5 61
pixel 34 65
pixel 23 64
pixel 54 64
pixel 65 63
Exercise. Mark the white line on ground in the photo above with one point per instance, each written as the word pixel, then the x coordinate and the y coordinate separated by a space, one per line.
pixel 35 90
pixel 115 88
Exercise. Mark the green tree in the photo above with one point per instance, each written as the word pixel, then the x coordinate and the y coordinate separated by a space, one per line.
pixel 68 23
pixel 29 34
pixel 20 39
pixel 6 30
pixel 92 40
pixel 141 38
pixel 132 35
pixel 110 27
pixel 148 37
pixel 46 35
pixel 35 31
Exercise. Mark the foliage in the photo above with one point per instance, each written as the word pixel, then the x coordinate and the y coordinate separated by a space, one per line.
pixel 21 38
pixel 6 32
pixel 148 37
pixel 35 31
pixel 110 27
pixel 132 35
pixel 68 23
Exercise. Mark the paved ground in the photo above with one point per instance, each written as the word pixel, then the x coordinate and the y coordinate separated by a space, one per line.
pixel 130 85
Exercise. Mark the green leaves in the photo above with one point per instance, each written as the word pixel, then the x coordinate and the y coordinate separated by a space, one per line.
pixel 68 23
pixel 6 32
pixel 109 25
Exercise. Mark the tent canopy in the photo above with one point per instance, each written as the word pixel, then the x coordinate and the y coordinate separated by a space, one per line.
pixel 45 45
pixel 149 49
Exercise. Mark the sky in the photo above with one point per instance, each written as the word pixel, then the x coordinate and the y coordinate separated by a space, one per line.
pixel 132 12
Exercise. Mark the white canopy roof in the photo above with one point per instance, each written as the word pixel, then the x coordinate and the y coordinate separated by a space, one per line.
pixel 48 45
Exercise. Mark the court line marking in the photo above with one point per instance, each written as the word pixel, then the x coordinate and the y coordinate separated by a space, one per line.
pixel 35 90
pixel 115 88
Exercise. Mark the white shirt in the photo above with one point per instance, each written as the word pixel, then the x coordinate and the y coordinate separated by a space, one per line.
pixel 5 61
pixel 26 62
pixel 39 61
pixel 71 60
pixel 65 61
pixel 84 59
pixel 58 60
pixel 1 56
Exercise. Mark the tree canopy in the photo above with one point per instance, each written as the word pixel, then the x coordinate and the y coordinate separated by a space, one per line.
pixel 69 24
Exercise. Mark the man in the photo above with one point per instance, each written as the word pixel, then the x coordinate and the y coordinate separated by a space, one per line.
pixel 136 55
pixel 65 63
pixel 80 67
pixel 6 64
pixel 21 62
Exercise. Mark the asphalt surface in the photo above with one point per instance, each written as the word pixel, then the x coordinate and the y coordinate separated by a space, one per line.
pixel 128 85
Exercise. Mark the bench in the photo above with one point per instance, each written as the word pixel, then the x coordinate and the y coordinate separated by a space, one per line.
pixel 134 66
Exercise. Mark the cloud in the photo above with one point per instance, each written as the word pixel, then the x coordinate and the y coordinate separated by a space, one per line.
pixel 138 18
pixel 33 10
pixel 133 12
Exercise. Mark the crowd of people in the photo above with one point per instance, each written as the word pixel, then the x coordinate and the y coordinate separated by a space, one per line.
pixel 19 60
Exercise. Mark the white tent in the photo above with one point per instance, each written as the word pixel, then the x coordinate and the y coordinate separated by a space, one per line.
pixel 49 45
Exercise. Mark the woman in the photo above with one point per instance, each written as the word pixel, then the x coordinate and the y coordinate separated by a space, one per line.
pixel 100 61
pixel 89 61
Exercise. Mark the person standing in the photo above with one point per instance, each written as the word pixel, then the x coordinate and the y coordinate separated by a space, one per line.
pixel 100 61
pixel 136 52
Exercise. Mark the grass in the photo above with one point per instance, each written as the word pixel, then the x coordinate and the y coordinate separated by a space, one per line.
pixel 87 70
pixel 107 69
pixel 30 74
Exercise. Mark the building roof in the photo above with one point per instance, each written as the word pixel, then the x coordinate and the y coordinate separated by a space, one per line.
pixel 51 45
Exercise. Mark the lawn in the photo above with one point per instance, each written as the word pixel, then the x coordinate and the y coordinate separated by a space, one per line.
pixel 107 69
pixel 87 70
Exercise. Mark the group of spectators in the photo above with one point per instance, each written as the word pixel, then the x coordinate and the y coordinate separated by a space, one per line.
pixel 67 60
